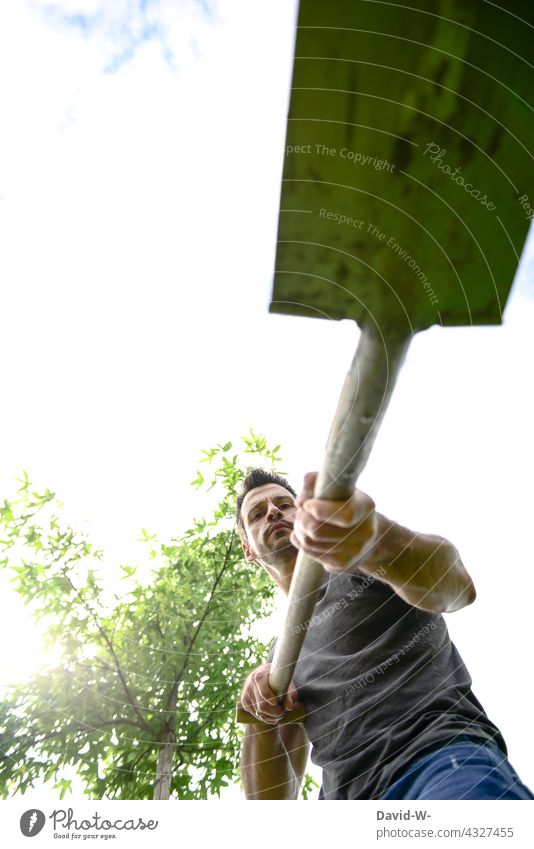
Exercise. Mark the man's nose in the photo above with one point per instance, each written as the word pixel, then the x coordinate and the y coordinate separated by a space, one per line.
pixel 273 512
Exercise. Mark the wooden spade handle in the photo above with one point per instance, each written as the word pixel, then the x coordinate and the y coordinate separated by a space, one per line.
pixel 364 398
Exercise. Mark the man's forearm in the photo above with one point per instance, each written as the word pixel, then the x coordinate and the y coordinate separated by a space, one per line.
pixel 266 770
pixel 424 570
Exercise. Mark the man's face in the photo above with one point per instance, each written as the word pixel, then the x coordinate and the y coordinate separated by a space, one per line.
pixel 267 515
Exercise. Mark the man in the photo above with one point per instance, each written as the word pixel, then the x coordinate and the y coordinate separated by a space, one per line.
pixel 389 708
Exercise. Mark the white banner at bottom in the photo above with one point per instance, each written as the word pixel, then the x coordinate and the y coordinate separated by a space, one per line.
pixel 357 824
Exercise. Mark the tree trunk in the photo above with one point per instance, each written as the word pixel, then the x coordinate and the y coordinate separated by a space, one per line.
pixel 162 784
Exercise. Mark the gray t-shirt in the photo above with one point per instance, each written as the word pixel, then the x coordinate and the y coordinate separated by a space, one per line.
pixel 382 683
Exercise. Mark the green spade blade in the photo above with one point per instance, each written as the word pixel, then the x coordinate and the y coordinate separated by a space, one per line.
pixel 407 182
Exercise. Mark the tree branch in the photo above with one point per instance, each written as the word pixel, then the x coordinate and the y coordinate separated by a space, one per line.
pixel 206 611
pixel 120 672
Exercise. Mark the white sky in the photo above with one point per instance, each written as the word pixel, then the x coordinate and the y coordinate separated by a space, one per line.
pixel 139 183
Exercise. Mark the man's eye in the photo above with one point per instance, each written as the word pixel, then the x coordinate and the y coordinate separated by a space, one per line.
pixel 288 504
pixel 257 515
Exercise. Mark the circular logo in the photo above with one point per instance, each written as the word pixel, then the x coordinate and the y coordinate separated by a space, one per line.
pixel 32 822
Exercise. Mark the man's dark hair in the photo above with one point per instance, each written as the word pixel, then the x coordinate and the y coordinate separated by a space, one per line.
pixel 255 478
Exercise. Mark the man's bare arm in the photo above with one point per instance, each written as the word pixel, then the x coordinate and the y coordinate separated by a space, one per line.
pixel 273 761
pixel 424 570
pixel 273 758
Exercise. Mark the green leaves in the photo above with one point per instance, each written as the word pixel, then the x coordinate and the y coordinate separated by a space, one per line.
pixel 64 786
pixel 232 468
pixel 309 786
pixel 257 444
pixel 213 452
pixel 167 659
pixel 199 480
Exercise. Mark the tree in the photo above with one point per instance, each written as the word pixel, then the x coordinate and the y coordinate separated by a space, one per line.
pixel 142 703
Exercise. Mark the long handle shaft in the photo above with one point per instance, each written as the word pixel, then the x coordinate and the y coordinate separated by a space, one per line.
pixel 366 393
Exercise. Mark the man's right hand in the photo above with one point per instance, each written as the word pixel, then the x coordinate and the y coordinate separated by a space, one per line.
pixel 258 699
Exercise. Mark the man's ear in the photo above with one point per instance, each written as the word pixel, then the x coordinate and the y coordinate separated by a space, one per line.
pixel 250 556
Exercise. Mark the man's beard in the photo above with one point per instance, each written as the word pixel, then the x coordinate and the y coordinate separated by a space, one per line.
pixel 279 554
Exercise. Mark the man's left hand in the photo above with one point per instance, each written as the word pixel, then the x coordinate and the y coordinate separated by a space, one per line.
pixel 339 534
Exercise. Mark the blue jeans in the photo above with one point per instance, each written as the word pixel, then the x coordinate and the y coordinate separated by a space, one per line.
pixel 466 769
